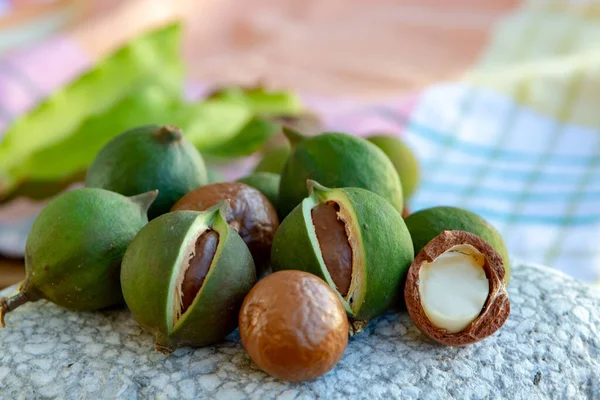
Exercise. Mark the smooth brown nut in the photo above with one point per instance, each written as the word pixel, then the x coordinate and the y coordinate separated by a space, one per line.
pixel 334 244
pixel 249 212
pixel 496 307
pixel 293 326
pixel 204 252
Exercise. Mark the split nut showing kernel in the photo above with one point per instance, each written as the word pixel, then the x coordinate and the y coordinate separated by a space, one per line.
pixel 184 277
pixel 455 289
pixel 354 240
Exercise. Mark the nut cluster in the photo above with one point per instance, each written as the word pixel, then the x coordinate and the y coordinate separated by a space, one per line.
pixel 200 268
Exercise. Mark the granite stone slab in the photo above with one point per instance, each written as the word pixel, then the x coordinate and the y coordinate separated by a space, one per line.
pixel 548 348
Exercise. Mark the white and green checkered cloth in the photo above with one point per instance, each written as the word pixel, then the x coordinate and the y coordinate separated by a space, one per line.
pixel 536 179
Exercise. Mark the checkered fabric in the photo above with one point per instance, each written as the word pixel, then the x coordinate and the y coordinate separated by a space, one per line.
pixel 536 179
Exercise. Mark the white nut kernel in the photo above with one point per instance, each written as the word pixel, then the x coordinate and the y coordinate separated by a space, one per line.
pixel 454 288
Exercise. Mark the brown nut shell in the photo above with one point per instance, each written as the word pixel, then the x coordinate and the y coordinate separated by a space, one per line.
pixel 249 212
pixel 199 264
pixel 335 246
pixel 293 326
pixel 496 308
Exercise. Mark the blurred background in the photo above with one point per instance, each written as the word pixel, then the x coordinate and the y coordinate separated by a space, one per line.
pixel 499 99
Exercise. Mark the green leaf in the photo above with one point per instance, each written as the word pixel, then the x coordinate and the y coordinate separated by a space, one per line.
pixel 260 101
pixel 212 122
pixel 60 161
pixel 220 127
pixel 74 153
pixel 247 141
pixel 153 57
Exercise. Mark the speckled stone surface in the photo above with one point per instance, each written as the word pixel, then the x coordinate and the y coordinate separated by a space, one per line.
pixel 548 348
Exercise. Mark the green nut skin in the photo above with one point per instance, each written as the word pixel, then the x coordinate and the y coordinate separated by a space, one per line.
pixel 75 246
pixel 273 160
pixel 265 182
pixel 337 160
pixel 148 158
pixel 404 161
pixel 383 241
pixel 426 224
pixel 153 263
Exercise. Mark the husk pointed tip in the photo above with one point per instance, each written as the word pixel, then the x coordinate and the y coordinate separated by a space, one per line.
pixel 315 187
pixel 293 136
pixel 145 200
pixel 223 206
pixel 219 210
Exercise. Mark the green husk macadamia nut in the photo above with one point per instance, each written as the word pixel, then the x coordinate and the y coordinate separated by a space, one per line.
pixel 147 158
pixel 354 240
pixel 184 278
pixel 403 159
pixel 74 249
pixel 337 160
